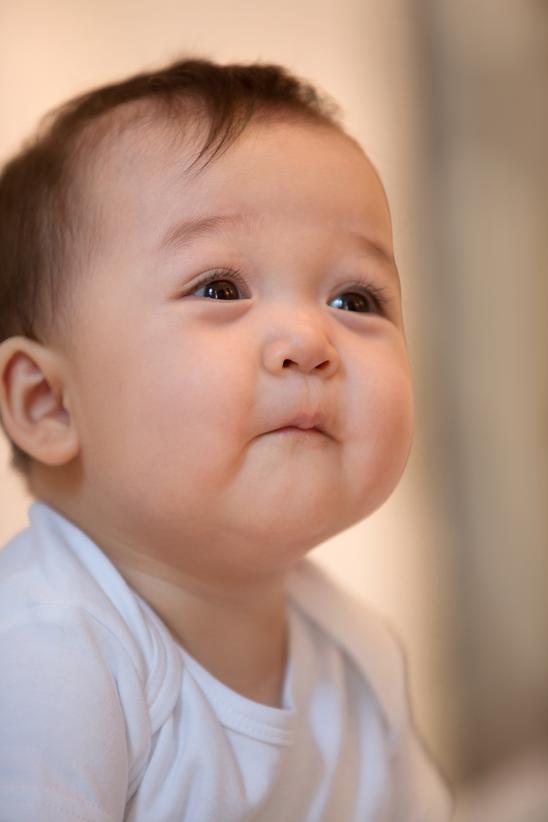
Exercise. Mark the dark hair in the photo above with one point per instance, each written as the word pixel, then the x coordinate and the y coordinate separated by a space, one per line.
pixel 43 227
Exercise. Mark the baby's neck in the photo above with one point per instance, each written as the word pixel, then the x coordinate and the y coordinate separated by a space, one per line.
pixel 243 644
pixel 237 632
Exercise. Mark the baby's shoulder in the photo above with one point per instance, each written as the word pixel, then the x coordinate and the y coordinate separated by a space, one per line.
pixel 47 577
pixel 418 790
pixel 58 590
pixel 364 635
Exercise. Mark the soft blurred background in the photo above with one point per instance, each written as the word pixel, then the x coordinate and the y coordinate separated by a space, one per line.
pixel 450 99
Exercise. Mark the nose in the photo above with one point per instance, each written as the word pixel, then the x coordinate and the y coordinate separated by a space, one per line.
pixel 302 345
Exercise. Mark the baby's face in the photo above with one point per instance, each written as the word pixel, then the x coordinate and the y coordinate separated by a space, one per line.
pixel 178 389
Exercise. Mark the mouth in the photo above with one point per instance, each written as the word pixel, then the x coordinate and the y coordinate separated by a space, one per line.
pixel 293 429
pixel 303 424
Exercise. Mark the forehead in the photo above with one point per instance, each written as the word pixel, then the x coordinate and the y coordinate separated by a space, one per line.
pixel 291 173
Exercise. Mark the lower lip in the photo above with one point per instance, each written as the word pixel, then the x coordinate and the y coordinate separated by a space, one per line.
pixel 290 429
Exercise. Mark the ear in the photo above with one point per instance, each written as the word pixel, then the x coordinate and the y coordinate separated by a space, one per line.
pixel 34 401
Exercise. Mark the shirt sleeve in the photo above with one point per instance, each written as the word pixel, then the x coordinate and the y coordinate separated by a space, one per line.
pixel 422 795
pixel 420 792
pixel 63 748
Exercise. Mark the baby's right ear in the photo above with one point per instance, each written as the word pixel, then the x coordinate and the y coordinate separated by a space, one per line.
pixel 35 403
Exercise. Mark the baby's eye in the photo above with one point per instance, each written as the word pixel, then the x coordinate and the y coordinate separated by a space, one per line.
pixel 365 300
pixel 220 290
pixel 219 287
pixel 356 302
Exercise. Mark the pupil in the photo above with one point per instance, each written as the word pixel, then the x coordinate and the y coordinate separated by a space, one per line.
pixel 221 289
pixel 353 302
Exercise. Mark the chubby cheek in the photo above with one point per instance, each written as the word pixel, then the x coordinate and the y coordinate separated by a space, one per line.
pixel 380 429
pixel 186 406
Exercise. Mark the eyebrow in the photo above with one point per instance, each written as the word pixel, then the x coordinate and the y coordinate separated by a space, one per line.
pixel 182 234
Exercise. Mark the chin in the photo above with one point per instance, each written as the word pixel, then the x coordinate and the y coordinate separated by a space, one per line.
pixel 293 531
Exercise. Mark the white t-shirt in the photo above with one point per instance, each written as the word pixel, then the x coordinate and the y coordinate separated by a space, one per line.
pixel 103 716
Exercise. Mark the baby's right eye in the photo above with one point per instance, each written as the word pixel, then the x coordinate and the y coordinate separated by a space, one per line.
pixel 218 287
pixel 219 290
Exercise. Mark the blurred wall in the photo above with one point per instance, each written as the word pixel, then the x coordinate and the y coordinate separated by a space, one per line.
pixel 484 201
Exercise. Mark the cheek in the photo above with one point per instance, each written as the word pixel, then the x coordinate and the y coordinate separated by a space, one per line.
pixel 381 426
pixel 189 407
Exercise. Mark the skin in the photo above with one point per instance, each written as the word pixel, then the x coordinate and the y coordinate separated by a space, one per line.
pixel 150 427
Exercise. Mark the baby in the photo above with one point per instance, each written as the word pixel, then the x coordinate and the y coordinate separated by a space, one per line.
pixel 169 653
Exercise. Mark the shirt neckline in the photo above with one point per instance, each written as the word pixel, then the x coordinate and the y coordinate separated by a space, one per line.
pixel 246 716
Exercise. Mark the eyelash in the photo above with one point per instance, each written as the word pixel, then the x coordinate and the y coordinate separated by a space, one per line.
pixel 375 292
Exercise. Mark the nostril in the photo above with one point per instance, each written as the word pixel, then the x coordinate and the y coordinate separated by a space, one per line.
pixel 321 366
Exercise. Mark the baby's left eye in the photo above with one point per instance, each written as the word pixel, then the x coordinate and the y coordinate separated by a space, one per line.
pixel 354 301
pixel 370 303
